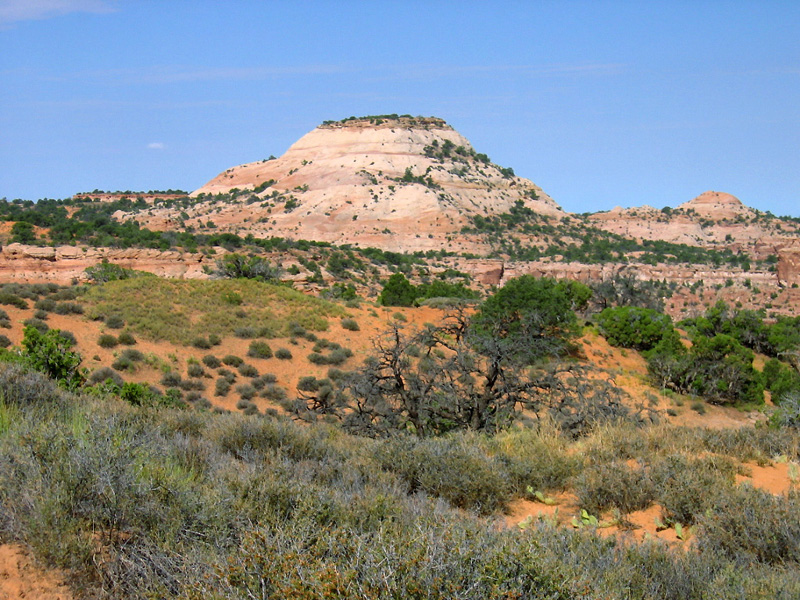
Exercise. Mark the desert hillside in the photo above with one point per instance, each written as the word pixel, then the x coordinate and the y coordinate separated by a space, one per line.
pixel 401 184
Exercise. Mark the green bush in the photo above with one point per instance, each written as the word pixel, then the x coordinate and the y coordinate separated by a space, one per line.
pixel 45 304
pixel 106 340
pixel 687 487
pixel 195 370
pixel 749 525
pixel 115 322
pixel 171 379
pixel 398 291
pixel 246 370
pixel 259 349
pixel 602 486
pixel 201 343
pixel 211 361
pixel 104 374
pixel 126 338
pixel 635 327
pixel 221 387
pixel 232 360
pixel 247 333
pixel 68 308
pixel 49 353
pixel 36 324
pixel 283 354
pixel 780 379
pixel 448 468
pixel 350 324
pixel 12 300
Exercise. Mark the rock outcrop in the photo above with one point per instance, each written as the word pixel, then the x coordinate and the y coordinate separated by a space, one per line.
pixel 402 184
pixel 63 264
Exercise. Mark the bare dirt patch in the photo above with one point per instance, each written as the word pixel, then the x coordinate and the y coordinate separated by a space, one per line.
pixel 22 579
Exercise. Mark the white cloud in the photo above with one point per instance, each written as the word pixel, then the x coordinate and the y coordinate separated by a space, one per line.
pixel 156 145
pixel 12 11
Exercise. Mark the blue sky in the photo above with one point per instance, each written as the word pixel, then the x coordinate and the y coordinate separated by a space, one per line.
pixel 600 103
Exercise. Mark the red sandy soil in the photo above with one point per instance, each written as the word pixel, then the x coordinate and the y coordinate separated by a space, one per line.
pixel 22 579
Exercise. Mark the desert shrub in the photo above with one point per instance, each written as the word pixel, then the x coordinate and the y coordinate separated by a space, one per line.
pixel 448 468
pixel 68 308
pixel 123 364
pixel 335 374
pixel 4 341
pixel 780 379
pixel 40 314
pixel 22 386
pixel 687 487
pixel 5 323
pixel 66 293
pixel 105 271
pixel 246 370
pixel 398 291
pixel 243 404
pixel 602 486
pixel 246 333
pixel 13 300
pixel 36 324
pixel 232 360
pixel 44 304
pixel 250 267
pixel 635 327
pixel 132 354
pixel 126 338
pixel 221 387
pixel 788 414
pixel 334 357
pixel 195 370
pixel 4 315
pixel 171 379
pixel 259 349
pixel 719 369
pixel 246 391
pixel 106 340
pixel 273 392
pixel 192 384
pixel 214 339
pixel 104 374
pixel 115 322
pixel 269 378
pixel 139 394
pixel 193 396
pixel 211 361
pixel 283 354
pixel 749 525
pixel 533 459
pixel 49 353
pixel 201 343
pixel 69 338
pixel 350 324
pixel 227 375
pixel 296 329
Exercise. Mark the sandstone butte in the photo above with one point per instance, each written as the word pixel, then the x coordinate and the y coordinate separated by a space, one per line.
pixel 403 184
pixel 410 184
